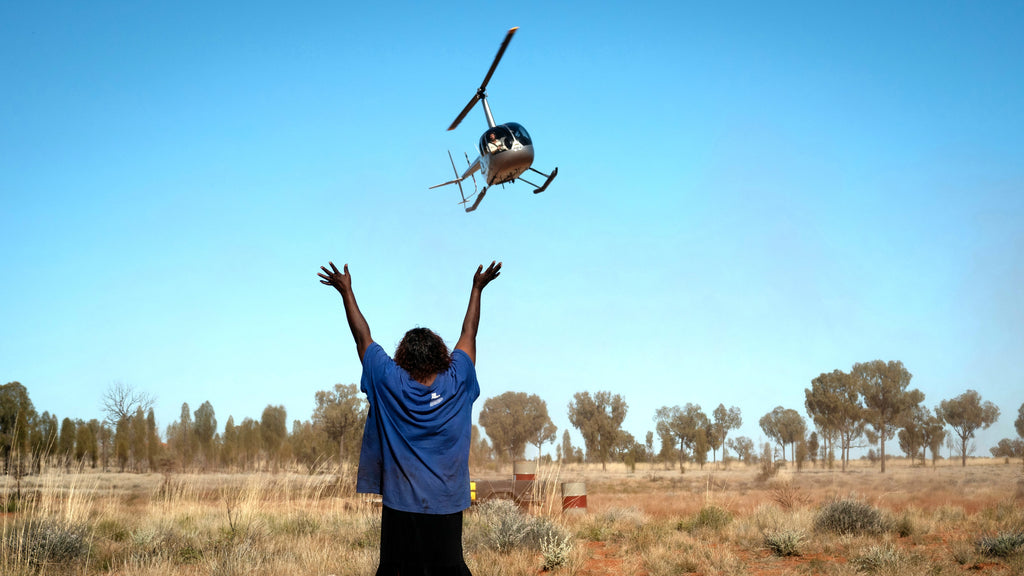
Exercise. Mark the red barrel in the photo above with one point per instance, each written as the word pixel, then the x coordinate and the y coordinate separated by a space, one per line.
pixel 574 497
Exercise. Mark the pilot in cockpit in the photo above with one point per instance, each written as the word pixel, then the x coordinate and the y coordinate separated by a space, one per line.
pixel 494 144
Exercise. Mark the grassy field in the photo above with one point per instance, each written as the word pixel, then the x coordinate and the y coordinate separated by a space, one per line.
pixel 911 520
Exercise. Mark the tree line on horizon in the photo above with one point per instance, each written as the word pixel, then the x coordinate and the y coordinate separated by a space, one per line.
pixel 871 403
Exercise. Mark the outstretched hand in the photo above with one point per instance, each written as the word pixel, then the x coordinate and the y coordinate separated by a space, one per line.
pixel 483 277
pixel 342 281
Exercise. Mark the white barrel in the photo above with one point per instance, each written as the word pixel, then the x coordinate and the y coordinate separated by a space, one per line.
pixel 524 470
pixel 574 497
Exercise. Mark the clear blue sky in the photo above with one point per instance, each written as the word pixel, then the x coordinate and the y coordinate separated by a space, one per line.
pixel 748 196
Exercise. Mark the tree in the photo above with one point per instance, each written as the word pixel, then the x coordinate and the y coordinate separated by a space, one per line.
pixel 883 386
pixel 342 415
pixel 812 448
pixel 66 442
pixel 686 427
pixel 934 434
pixel 546 433
pixel 310 445
pixel 17 421
pixel 479 449
pixel 1008 448
pixel 273 432
pixel 566 448
pixel 965 414
pixel 911 435
pixel 105 440
pixel 139 441
pixel 724 421
pixel 250 442
pixel 599 419
pixel 122 401
pixel 744 449
pixel 229 444
pixel 514 419
pixel 1019 422
pixel 122 442
pixel 834 405
pixel 204 428
pixel 785 426
pixel 181 438
pixel 152 440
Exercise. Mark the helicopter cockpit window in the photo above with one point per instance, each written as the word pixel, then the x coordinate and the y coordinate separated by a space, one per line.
pixel 519 133
pixel 496 140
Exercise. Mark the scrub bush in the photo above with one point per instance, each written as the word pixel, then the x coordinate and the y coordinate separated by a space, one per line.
pixel 784 542
pixel 850 517
pixel 1002 545
pixel 883 559
pixel 709 517
pixel 47 542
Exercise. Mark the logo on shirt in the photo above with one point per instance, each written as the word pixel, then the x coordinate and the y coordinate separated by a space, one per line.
pixel 435 399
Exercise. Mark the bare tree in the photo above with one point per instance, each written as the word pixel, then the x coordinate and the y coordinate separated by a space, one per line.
pixel 122 401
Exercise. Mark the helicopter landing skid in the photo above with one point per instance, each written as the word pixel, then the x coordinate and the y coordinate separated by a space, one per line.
pixel 476 203
pixel 544 186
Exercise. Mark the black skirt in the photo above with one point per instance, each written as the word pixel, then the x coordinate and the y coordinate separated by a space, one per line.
pixel 414 544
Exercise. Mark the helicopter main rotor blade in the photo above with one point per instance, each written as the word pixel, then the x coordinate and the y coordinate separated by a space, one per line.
pixel 497 58
pixel 472 102
pixel 483 87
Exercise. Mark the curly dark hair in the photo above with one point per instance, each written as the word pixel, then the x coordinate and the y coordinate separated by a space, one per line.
pixel 422 353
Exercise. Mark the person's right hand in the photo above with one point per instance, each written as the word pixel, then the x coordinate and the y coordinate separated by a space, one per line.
pixel 342 281
pixel 483 277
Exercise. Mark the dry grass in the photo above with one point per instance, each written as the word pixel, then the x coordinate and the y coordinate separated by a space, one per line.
pixel 653 522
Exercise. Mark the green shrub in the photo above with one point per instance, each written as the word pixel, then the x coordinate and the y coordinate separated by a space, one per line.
pixel 709 518
pixel 850 517
pixel 1002 545
pixel 784 542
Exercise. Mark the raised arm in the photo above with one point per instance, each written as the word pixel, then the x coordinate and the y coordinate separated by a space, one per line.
pixel 342 282
pixel 467 340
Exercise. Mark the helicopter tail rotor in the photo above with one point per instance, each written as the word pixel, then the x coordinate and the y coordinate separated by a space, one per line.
pixel 482 90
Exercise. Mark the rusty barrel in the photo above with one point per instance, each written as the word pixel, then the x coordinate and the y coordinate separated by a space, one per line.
pixel 574 497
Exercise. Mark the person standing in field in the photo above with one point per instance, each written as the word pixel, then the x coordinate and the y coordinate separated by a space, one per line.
pixel 415 450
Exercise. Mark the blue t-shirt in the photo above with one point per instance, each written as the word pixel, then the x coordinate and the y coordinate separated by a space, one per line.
pixel 415 449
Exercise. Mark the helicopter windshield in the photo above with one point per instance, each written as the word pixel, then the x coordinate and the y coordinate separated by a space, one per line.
pixel 519 133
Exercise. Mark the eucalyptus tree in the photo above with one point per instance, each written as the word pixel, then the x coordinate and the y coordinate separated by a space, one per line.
pixel 966 414
pixel 341 413
pixel 725 419
pixel 785 426
pixel 599 419
pixel 686 427
pixel 834 404
pixel 1019 422
pixel 887 399
pixel 514 419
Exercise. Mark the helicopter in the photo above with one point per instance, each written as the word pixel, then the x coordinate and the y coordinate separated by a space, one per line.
pixel 506 150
